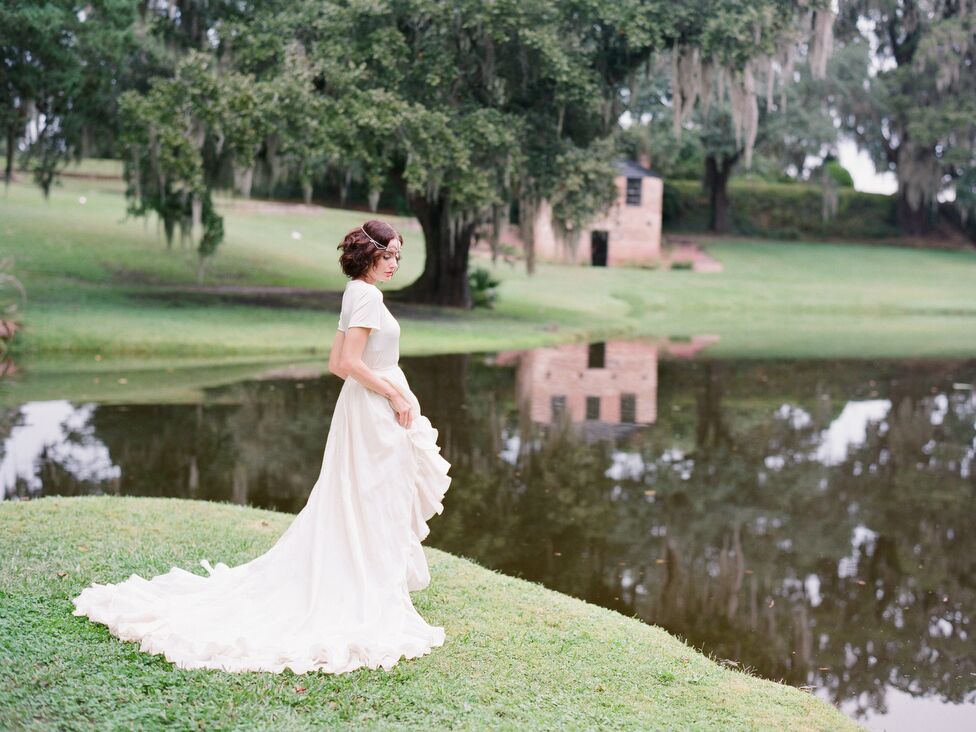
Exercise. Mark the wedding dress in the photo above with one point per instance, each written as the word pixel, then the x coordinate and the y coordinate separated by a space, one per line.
pixel 332 594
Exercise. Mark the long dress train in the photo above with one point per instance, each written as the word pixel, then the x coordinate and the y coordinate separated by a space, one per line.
pixel 332 594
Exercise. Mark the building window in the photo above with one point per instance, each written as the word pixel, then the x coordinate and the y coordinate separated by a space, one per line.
pixel 596 357
pixel 634 191
pixel 593 407
pixel 628 408
pixel 558 406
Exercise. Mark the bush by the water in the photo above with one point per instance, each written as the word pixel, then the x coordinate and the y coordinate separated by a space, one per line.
pixel 782 211
pixel 484 287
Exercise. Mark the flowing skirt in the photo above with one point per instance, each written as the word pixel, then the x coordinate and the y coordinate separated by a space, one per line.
pixel 332 594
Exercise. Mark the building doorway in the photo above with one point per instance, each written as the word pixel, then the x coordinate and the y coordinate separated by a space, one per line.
pixel 598 248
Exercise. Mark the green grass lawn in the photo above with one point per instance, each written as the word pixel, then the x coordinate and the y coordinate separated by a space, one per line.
pixel 517 656
pixel 96 282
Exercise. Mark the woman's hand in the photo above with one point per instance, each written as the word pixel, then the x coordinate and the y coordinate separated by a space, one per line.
pixel 402 409
pixel 400 404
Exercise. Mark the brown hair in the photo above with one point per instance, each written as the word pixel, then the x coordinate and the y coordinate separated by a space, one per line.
pixel 359 253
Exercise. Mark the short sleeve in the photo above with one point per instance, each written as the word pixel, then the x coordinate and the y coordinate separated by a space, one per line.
pixel 362 306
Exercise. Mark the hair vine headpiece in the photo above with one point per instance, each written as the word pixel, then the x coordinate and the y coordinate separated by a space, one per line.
pixel 378 245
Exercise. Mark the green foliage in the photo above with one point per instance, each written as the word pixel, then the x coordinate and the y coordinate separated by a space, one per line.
pixel 683 159
pixel 730 119
pixel 170 131
pixel 585 187
pixel 782 211
pixel 917 114
pixel 838 173
pixel 463 107
pixel 800 127
pixel 787 132
pixel 484 286
pixel 62 68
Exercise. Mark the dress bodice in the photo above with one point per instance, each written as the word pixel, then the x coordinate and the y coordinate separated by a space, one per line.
pixel 362 305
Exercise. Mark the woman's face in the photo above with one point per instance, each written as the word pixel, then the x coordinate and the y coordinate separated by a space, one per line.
pixel 386 263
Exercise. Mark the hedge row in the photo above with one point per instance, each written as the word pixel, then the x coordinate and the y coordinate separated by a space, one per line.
pixel 781 211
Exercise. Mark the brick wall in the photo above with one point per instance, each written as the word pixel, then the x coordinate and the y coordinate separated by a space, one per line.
pixel 633 232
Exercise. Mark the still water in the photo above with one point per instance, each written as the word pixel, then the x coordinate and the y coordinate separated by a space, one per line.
pixel 814 521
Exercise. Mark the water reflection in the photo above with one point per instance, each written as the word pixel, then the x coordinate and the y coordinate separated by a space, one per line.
pixel 811 520
pixel 42 436
pixel 607 383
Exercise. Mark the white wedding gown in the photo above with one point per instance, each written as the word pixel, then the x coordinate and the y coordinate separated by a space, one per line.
pixel 332 594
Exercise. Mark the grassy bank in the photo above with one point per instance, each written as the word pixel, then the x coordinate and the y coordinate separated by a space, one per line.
pixel 103 284
pixel 517 656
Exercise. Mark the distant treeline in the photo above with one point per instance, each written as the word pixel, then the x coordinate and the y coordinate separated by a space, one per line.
pixel 782 211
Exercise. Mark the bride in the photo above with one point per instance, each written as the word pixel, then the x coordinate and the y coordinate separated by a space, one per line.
pixel 333 593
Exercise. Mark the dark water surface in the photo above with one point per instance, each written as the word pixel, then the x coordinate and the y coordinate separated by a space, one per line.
pixel 812 520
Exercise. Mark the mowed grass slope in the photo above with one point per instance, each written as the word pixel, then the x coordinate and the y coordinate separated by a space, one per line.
pixel 517 656
pixel 101 283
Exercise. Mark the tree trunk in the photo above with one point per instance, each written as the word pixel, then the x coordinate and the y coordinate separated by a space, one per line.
pixel 344 188
pixel 447 241
pixel 244 180
pixel 8 172
pixel 913 163
pixel 201 269
pixel 717 174
pixel 913 222
pixel 499 216
pixel 528 211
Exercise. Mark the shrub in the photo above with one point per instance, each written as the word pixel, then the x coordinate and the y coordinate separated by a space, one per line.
pixel 483 288
pixel 839 173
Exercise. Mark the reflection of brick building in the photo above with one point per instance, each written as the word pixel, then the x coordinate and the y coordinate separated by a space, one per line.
pixel 629 233
pixel 601 382
pixel 613 382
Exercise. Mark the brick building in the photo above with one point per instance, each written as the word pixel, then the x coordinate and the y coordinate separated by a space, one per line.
pixel 629 233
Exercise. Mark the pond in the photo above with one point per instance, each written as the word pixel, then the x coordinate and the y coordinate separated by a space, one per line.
pixel 813 521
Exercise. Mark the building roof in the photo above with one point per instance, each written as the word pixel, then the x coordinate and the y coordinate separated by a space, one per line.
pixel 633 169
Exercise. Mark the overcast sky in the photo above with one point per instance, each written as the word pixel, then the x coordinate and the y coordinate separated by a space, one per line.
pixel 862 170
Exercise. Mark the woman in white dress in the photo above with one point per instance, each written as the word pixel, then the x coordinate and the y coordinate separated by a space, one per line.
pixel 333 593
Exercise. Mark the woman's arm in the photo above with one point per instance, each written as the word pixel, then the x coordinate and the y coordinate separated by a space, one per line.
pixel 347 356
pixel 336 353
pixel 350 363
